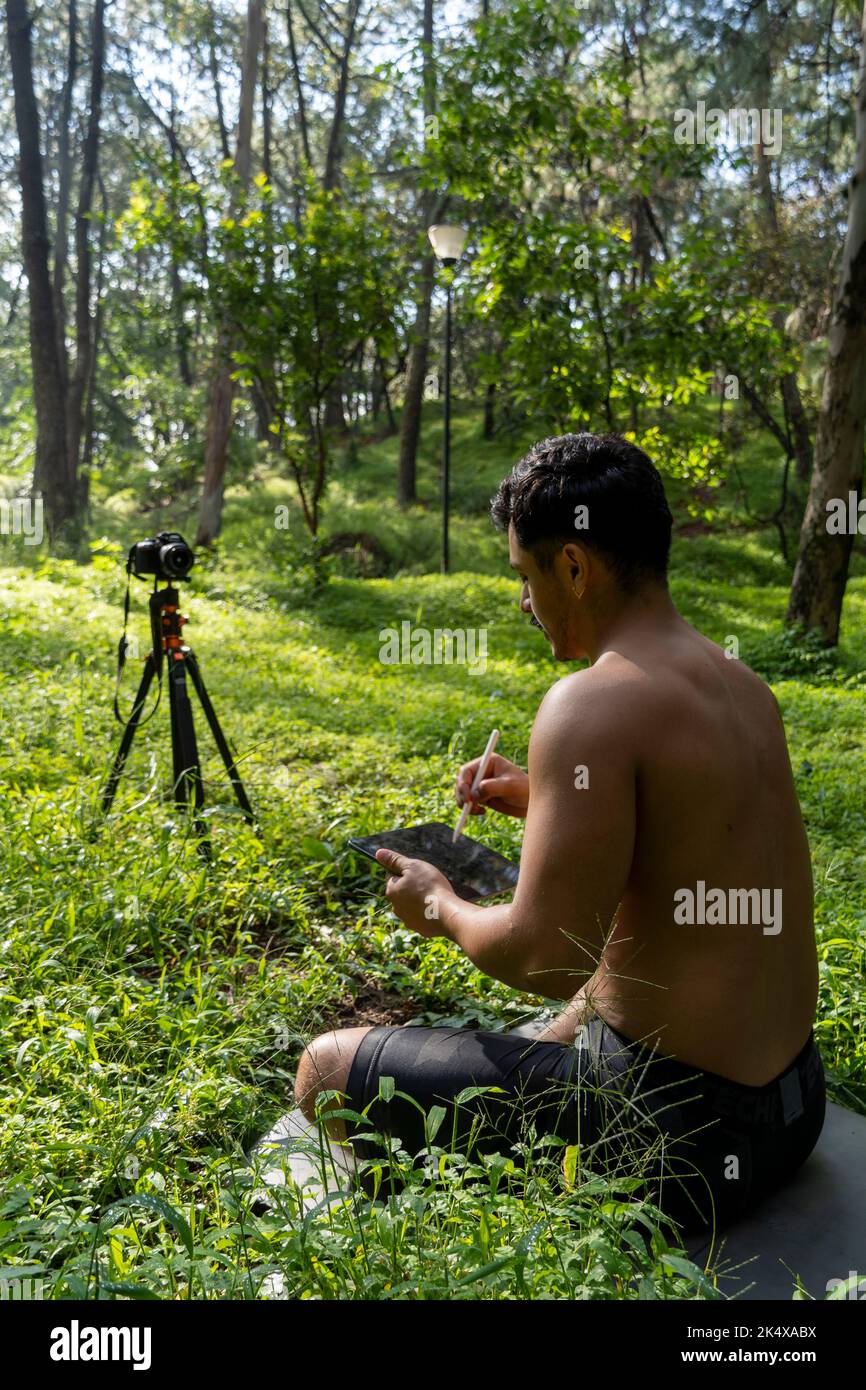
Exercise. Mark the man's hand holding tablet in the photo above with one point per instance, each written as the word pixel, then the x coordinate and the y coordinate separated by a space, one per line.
pixel 420 893
pixel 417 891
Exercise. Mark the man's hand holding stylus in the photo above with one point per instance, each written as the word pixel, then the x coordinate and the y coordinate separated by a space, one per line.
pixel 504 789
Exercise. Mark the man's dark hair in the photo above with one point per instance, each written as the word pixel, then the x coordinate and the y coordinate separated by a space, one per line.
pixel 627 517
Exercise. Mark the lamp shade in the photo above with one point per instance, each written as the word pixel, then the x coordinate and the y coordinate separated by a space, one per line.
pixel 447 241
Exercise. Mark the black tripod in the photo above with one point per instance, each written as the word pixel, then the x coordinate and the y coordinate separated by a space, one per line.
pixel 165 625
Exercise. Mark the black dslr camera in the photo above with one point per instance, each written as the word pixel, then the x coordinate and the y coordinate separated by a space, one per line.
pixel 167 556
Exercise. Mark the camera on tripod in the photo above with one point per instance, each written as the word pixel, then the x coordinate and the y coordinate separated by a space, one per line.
pixel 167 556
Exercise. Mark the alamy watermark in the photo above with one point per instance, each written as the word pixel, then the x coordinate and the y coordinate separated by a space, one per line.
pixel 22 516
pixel 438 646
pixel 739 126
pixel 18 1285
pixel 712 907
pixel 846 517
pixel 854 1287
pixel 77 1343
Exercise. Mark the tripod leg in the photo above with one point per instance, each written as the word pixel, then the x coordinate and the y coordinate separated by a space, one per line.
pixel 187 772
pixel 219 738
pixel 128 733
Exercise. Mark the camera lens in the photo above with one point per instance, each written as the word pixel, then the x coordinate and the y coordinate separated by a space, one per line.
pixel 176 559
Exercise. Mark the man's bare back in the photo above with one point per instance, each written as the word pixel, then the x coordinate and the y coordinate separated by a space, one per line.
pixel 715 808
pixel 665 868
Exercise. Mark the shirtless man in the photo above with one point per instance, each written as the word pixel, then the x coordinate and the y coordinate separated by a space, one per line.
pixel 665 885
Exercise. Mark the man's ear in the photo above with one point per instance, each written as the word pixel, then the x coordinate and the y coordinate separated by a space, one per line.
pixel 578 562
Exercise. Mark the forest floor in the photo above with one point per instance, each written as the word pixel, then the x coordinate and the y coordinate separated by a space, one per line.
pixel 154 1007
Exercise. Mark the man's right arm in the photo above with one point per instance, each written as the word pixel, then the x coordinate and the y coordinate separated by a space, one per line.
pixel 577 848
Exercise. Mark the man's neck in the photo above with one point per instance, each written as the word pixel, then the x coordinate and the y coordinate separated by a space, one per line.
pixel 625 618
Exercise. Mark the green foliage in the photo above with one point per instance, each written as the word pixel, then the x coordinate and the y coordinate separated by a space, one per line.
pixel 679 457
pixel 297 296
pixel 459 1228
pixel 790 654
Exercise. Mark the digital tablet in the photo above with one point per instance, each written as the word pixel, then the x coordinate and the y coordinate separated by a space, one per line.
pixel 473 870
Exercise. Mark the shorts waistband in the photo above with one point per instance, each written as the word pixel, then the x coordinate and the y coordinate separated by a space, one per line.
pixel 776 1104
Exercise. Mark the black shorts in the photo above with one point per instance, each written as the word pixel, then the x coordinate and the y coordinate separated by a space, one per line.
pixel 705 1148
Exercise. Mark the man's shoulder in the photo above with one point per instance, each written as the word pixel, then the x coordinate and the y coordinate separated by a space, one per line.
pixel 598 703
pixel 614 682
pixel 621 698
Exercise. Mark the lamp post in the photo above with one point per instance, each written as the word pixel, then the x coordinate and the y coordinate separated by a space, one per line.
pixel 447 242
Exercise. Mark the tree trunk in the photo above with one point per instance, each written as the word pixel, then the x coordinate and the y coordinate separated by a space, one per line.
pixel 381 393
pixel 89 407
pixel 410 423
pixel 792 400
pixel 61 250
pixel 795 414
pixel 51 472
pixel 489 411
pixel 219 413
pixel 83 319
pixel 299 88
pixel 258 395
pixel 333 159
pixel 249 73
pixel 821 571
pixel 178 314
pixel 215 79
pixel 217 428
pixel 802 437
pixel 413 396
pixel 335 418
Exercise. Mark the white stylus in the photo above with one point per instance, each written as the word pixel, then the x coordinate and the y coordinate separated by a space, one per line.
pixel 476 783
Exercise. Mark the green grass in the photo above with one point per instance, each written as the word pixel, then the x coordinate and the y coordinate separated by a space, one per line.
pixel 154 1009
